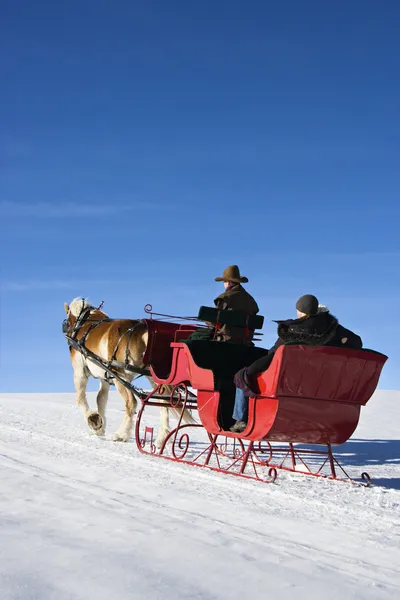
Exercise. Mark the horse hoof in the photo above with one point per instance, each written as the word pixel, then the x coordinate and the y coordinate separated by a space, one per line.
pixel 118 437
pixel 95 422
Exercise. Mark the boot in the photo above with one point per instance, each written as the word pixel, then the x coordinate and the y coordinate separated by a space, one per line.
pixel 238 427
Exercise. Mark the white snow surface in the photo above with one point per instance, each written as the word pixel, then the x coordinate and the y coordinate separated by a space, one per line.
pixel 85 518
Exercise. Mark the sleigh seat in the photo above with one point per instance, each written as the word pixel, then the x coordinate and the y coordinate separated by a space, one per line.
pixel 309 394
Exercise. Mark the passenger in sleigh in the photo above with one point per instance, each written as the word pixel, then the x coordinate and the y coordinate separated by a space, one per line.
pixel 315 326
pixel 235 297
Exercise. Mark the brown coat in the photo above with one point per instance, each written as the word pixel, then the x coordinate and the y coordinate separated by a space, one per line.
pixel 236 298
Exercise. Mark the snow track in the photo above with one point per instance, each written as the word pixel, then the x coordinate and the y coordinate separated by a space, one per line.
pixel 83 517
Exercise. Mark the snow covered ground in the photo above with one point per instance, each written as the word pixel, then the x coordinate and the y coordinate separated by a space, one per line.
pixel 84 518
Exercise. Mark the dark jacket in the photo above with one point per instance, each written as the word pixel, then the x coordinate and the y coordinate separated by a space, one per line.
pixel 345 338
pixel 236 298
pixel 322 329
pixel 317 330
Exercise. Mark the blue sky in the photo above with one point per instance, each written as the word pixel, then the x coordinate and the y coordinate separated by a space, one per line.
pixel 145 146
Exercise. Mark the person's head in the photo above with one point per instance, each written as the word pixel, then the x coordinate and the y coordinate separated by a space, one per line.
pixel 307 306
pixel 231 276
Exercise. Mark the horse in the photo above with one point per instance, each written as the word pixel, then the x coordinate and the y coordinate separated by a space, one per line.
pixel 122 340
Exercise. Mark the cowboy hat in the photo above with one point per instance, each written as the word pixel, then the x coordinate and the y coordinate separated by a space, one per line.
pixel 232 273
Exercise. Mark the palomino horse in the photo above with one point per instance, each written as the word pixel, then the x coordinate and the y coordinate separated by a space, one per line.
pixel 110 339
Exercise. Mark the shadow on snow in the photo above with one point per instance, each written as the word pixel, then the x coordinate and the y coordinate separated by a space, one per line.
pixel 363 453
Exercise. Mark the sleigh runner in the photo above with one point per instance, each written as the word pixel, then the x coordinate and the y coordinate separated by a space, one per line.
pixel 310 400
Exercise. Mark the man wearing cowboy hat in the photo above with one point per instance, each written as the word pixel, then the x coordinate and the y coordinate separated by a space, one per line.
pixel 235 297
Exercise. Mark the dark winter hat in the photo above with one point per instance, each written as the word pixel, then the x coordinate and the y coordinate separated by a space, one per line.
pixel 232 273
pixel 307 304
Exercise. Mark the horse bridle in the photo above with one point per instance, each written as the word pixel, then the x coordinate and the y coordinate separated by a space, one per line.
pixel 80 320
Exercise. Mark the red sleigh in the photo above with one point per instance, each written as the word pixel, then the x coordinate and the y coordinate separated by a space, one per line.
pixel 310 399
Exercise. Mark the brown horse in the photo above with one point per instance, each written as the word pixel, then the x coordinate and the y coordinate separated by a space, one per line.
pixel 111 339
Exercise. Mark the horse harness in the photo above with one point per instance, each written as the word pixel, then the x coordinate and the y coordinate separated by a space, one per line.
pixel 109 366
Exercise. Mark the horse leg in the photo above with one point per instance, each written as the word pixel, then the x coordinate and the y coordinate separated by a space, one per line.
pixel 102 398
pixel 164 428
pixel 124 431
pixel 188 418
pixel 80 382
pixel 81 377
